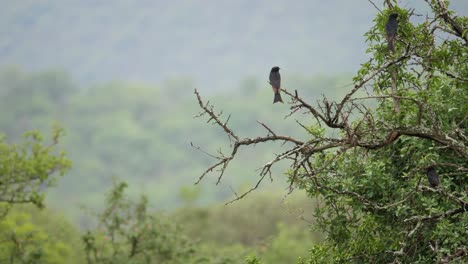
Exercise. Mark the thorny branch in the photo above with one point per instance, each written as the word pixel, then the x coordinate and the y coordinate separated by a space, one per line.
pixel 223 160
pixel 332 115
pixel 302 151
pixel 458 29
pixel 208 109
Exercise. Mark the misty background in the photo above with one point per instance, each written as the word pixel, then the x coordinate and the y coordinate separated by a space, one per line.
pixel 119 77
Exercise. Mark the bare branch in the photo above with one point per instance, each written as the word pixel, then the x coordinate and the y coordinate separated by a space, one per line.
pixel 247 192
pixel 370 1
pixel 209 110
pixel 267 128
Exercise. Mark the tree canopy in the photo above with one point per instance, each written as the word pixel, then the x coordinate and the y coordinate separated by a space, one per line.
pixel 368 153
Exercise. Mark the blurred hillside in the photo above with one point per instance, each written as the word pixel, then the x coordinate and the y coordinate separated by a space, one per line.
pixel 213 42
pixel 142 133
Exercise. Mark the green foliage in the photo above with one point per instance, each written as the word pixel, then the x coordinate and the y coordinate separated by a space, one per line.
pixel 30 235
pixel 127 233
pixel 375 207
pixel 265 213
pixel 29 168
pixel 290 243
pixel 214 253
pixel 253 260
pixel 263 223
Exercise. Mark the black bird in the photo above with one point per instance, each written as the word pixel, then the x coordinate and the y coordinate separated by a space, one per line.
pixel 433 177
pixel 391 29
pixel 275 82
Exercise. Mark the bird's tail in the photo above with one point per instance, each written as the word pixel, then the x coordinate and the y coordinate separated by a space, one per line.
pixel 391 45
pixel 277 97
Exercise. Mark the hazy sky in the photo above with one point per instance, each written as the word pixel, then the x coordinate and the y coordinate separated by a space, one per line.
pixel 214 42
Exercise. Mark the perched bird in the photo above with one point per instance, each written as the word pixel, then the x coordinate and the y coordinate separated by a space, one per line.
pixel 391 29
pixel 433 177
pixel 275 82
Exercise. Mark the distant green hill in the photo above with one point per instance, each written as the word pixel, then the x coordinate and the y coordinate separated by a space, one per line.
pixel 142 133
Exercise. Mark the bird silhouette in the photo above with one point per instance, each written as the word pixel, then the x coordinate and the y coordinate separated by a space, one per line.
pixel 275 82
pixel 433 177
pixel 391 29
